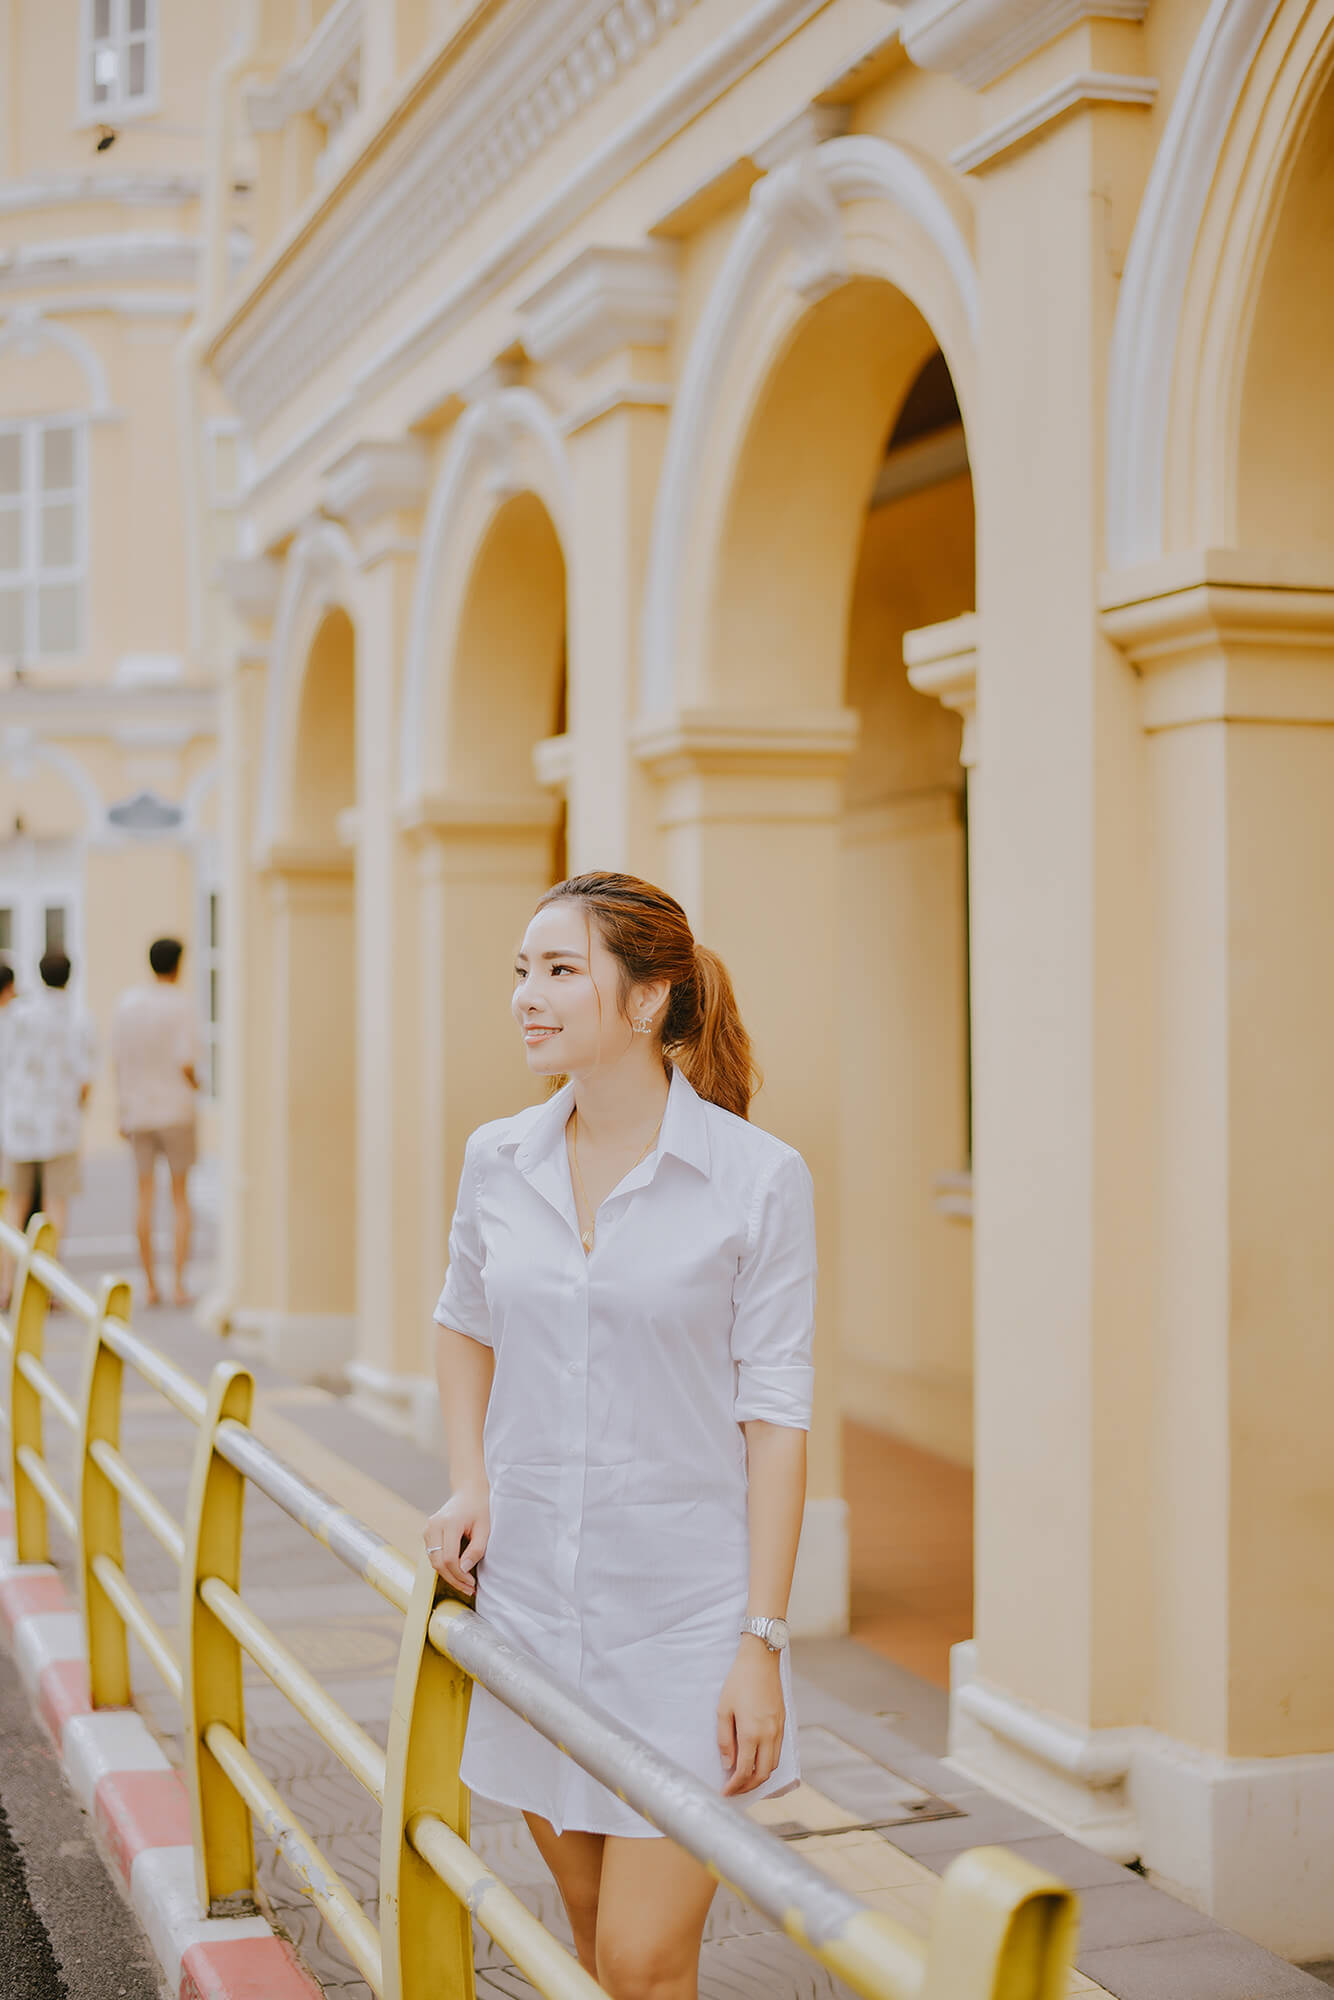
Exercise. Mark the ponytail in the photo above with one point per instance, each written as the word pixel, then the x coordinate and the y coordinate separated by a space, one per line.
pixel 704 1036
pixel 647 931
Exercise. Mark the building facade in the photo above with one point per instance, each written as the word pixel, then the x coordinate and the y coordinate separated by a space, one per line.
pixel 869 469
pixel 108 704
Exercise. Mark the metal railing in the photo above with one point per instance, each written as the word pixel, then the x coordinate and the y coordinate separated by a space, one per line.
pixel 1001 1929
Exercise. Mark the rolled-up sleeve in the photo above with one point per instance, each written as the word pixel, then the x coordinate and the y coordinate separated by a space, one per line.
pixel 462 1304
pixel 773 1301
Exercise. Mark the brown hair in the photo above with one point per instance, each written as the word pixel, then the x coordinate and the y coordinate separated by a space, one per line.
pixel 649 933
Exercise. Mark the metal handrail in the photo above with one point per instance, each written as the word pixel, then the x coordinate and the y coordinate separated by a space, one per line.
pixel 1002 1929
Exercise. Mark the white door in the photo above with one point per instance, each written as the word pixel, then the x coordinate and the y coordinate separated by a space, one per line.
pixel 40 906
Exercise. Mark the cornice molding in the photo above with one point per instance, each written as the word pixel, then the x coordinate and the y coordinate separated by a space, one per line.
pixel 449 164
pixel 1222 635
pixel 372 479
pixel 144 189
pixel 691 742
pixel 1085 87
pixel 975 41
pixel 102 710
pixel 152 255
pixel 455 815
pixel 942 662
pixel 604 299
pixel 811 127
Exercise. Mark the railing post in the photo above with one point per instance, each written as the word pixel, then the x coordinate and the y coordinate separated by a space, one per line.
pixel 99 1505
pixel 425 1931
pixel 27 1325
pixel 224 1847
pixel 1000 1930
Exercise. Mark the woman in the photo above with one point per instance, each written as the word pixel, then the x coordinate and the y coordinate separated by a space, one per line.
pixel 625 1373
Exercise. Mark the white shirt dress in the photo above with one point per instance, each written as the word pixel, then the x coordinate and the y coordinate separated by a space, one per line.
pixel 619 1549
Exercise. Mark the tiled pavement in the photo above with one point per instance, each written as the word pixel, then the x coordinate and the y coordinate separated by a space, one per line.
pixel 1136 1944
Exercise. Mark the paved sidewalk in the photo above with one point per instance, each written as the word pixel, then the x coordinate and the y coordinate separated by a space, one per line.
pixel 867 1728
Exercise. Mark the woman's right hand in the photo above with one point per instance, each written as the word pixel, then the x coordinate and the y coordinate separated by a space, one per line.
pixel 456 1536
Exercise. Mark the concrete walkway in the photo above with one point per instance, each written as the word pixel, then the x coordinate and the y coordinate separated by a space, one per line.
pixel 877 1809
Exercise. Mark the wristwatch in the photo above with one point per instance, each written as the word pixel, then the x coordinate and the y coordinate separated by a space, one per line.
pixel 773 1631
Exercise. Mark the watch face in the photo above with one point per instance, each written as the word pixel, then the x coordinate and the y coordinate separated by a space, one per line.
pixel 778 1634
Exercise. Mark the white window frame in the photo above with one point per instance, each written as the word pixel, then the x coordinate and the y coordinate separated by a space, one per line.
pixel 118 105
pixel 32 574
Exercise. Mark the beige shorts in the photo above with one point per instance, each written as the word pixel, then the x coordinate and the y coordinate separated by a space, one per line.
pixel 61 1179
pixel 176 1143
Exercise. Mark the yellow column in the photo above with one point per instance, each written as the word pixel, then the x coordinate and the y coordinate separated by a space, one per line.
pixel 1062 1099
pixel 1237 663
pixel 749 811
pixel 246 1246
pixel 308 1324
pixel 376 489
pixel 602 322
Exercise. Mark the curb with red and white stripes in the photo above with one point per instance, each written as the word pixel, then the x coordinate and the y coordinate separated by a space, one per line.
pixel 138 1803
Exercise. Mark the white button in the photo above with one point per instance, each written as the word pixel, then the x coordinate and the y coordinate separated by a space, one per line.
pixel 573 1368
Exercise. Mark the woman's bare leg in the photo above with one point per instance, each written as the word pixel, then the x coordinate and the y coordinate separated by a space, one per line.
pixel 653 1903
pixel 575 1860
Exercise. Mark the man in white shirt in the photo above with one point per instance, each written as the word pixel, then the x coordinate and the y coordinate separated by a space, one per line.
pixel 157 1052
pixel 50 1057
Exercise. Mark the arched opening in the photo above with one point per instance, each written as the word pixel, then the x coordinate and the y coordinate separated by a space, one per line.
pixel 1283 477
pixel 499 837
pixel 849 522
pixel 315 973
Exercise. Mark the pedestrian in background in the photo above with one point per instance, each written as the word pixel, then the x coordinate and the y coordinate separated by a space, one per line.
pixel 49 1061
pixel 624 1354
pixel 157 1054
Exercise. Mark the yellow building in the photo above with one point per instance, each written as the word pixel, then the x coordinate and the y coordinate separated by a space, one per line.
pixel 108 714
pixel 870 469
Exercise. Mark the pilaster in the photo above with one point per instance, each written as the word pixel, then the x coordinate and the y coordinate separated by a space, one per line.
pixel 377 489
pixel 602 325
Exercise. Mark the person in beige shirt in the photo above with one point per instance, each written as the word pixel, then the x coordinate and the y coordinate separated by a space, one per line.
pixel 157 1053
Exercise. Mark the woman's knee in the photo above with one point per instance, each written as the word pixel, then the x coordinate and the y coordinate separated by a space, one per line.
pixel 635 1964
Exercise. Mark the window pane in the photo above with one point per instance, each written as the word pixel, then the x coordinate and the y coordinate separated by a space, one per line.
pixel 57 458
pixel 57 617
pixel 11 461
pixel 11 624
pixel 11 538
pixel 214 928
pixel 138 69
pixel 105 65
pixel 213 994
pixel 54 928
pixel 6 930
pixel 58 535
pixel 101 19
pixel 138 16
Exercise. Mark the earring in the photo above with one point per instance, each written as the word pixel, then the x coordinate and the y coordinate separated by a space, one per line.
pixel 643 1026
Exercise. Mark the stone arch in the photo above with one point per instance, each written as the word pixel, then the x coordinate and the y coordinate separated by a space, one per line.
pixel 504 446
pixel 319 576
pixel 853 208
pixel 1191 261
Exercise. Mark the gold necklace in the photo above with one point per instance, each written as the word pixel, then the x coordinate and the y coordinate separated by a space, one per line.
pixel 586 1235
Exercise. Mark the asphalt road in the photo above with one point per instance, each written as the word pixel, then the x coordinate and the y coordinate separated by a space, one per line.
pixel 66 1933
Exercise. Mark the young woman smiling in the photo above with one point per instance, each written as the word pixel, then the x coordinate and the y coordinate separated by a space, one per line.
pixel 623 1351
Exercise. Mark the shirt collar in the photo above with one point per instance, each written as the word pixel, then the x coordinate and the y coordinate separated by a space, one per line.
pixel 685 1129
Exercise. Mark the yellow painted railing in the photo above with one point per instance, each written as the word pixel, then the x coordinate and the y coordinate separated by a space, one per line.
pixel 1001 1929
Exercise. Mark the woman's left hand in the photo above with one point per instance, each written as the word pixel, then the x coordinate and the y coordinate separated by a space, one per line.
pixel 751 1714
